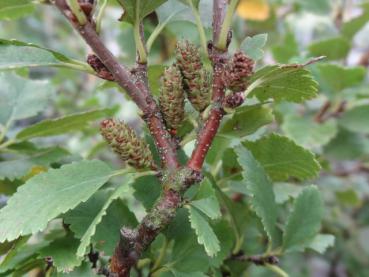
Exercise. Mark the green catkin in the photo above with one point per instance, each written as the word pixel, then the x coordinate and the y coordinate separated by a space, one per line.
pixel 124 141
pixel 171 98
pixel 196 80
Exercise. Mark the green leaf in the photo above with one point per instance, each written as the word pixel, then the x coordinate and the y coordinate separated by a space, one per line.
pixel 206 201
pixel 62 125
pixel 84 219
pixel 246 120
pixel 333 48
pixel 187 255
pixel 347 146
pixel 108 231
pixel 18 168
pixel 356 119
pixel 261 191
pixel 63 253
pixel 136 10
pixel 10 9
pixel 296 128
pixel 316 6
pixel 204 232
pixel 22 98
pixel 82 271
pixel 147 190
pixel 224 233
pixel 289 83
pixel 252 46
pixel 49 194
pixel 155 72
pixel 282 158
pixel 337 78
pixel 350 28
pixel 284 191
pixel 285 52
pixel 18 54
pixel 188 274
pixel 304 221
pixel 20 254
pixel 321 243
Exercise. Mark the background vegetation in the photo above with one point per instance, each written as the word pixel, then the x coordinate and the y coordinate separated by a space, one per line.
pixel 334 126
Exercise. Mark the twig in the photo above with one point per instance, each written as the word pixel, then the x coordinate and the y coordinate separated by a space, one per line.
pixel 177 179
pixel 131 84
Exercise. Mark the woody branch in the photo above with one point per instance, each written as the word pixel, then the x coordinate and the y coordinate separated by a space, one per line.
pixel 178 179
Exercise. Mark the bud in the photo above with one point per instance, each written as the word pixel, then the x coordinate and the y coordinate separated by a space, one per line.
pixel 124 141
pixel 99 67
pixel 240 68
pixel 172 97
pixel 196 79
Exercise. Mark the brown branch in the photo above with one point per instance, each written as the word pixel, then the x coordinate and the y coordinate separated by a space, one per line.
pixel 219 59
pixel 218 17
pixel 177 179
pixel 132 84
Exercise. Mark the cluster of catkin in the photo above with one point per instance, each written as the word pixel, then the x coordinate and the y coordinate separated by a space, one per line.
pixel 186 78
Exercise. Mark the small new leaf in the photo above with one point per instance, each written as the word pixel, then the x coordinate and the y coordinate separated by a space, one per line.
pixel 253 46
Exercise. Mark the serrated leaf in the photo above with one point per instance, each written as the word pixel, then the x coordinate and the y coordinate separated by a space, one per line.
pixel 282 158
pixel 187 254
pixel 295 127
pixel 224 233
pixel 261 191
pixel 321 243
pixel 204 232
pixel 356 119
pixel 62 125
pixel 22 98
pixel 17 168
pixel 63 253
pixel 84 219
pixel 18 54
pixel 252 46
pixel 337 78
pixel 332 48
pixel 304 221
pixel 49 194
pixel 206 200
pixel 246 120
pixel 10 9
pixel 136 10
pixel 289 83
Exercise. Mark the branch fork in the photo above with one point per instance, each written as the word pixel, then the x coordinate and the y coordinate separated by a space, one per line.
pixel 176 179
